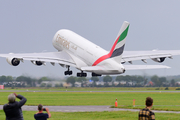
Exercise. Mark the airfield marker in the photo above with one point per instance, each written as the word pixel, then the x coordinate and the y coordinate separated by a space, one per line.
pixel 116 103
pixel 133 102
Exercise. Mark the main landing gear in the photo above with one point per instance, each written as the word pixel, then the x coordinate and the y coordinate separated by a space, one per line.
pixel 95 75
pixel 81 74
pixel 68 72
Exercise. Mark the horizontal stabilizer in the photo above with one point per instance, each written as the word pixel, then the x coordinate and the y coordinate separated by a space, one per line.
pixel 141 67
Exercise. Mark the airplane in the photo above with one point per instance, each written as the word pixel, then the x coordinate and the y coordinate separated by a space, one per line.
pixel 76 51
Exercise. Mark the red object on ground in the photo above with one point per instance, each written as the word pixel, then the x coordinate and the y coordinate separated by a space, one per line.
pixel 1 86
pixel 116 103
pixel 134 102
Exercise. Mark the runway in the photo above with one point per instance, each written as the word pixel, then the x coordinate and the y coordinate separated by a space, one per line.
pixel 84 109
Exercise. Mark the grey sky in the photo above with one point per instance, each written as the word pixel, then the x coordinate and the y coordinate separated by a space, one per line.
pixel 29 26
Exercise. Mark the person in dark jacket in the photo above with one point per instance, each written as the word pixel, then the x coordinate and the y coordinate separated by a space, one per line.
pixel 40 115
pixel 13 109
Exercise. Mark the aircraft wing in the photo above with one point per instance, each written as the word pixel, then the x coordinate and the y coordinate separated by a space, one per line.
pixel 143 55
pixel 61 57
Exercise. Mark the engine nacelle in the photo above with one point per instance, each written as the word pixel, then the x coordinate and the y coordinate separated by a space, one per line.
pixel 13 61
pixel 38 63
pixel 160 60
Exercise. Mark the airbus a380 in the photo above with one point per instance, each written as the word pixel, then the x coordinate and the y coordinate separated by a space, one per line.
pixel 78 52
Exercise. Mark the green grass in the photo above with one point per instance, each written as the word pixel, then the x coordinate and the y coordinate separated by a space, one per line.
pixel 114 115
pixel 162 101
pixel 125 100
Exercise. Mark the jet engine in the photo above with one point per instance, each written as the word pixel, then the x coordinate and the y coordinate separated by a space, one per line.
pixel 38 63
pixel 160 60
pixel 13 61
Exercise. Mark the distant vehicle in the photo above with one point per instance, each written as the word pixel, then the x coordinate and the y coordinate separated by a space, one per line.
pixel 78 52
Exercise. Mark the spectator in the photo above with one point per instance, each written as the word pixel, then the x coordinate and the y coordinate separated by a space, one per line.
pixel 13 109
pixel 146 113
pixel 40 115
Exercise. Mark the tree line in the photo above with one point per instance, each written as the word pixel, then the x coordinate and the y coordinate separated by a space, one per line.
pixel 21 81
pixel 126 81
pixel 122 80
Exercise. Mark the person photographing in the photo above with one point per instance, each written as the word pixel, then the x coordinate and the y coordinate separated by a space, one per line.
pixel 40 115
pixel 13 109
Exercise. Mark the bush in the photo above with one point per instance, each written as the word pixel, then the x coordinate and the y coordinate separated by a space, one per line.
pixel 157 89
pixel 43 85
pixel 166 88
pixel 49 85
pixel 177 88
pixel 57 85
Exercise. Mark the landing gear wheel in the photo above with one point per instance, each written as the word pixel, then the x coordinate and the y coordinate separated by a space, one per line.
pixel 94 74
pixel 68 72
pixel 81 74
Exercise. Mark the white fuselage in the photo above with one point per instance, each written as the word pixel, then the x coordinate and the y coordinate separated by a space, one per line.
pixel 83 49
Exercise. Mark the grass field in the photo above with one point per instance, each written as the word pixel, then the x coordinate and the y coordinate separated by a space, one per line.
pixel 162 101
